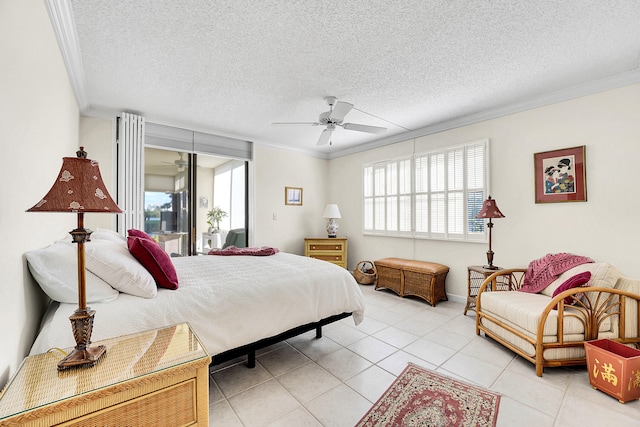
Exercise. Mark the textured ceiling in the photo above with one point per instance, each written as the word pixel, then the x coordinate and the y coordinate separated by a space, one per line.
pixel 234 67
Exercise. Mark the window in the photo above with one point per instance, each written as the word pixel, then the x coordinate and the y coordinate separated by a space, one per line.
pixel 229 193
pixel 430 195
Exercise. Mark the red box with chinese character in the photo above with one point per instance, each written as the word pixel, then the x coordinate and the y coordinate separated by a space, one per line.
pixel 614 368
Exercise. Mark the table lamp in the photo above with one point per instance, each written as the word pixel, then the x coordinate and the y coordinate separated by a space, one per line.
pixel 79 189
pixel 490 210
pixel 332 212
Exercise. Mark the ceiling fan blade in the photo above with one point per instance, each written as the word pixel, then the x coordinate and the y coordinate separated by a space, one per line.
pixel 296 123
pixel 340 110
pixel 324 137
pixel 364 128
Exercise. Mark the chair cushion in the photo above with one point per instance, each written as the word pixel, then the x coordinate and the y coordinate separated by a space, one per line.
pixel 412 265
pixel 525 310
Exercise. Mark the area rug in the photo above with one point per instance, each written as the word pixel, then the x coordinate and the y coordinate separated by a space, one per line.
pixel 420 397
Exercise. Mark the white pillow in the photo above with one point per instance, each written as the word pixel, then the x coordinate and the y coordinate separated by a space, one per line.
pixel 55 268
pixel 114 264
pixel 602 274
pixel 106 234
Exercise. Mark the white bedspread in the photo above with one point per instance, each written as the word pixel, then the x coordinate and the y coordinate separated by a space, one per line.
pixel 229 301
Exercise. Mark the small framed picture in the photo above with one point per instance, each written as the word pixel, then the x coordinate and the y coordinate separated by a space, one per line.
pixel 560 175
pixel 293 196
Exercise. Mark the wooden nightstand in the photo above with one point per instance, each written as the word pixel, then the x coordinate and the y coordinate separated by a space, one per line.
pixel 157 377
pixel 328 249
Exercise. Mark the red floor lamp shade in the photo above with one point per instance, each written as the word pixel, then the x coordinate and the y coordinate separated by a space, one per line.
pixel 79 189
pixel 490 210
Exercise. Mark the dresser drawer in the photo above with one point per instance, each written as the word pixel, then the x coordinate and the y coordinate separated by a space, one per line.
pixel 338 259
pixel 174 406
pixel 333 250
pixel 324 247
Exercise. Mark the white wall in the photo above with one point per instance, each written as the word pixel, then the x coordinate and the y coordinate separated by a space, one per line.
pixel 603 228
pixel 38 126
pixel 96 135
pixel 273 171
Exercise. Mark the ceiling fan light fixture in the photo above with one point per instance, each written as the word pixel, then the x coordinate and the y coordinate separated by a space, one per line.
pixel 334 117
pixel 331 100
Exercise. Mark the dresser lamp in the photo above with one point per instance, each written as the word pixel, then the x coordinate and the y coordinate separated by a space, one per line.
pixel 79 189
pixel 490 210
pixel 331 212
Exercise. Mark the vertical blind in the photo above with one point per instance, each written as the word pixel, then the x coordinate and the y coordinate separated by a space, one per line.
pixel 434 195
pixel 130 171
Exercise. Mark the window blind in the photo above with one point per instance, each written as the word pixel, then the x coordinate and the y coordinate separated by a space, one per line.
pixel 190 141
pixel 431 195
pixel 130 171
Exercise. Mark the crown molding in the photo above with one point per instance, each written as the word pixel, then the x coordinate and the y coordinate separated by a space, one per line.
pixel 64 28
pixel 578 91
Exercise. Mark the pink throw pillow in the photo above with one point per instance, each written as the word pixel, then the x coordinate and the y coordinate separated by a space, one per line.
pixel 139 233
pixel 573 282
pixel 155 260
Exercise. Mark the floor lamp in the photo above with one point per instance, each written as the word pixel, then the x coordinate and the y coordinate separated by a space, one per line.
pixel 490 210
pixel 79 189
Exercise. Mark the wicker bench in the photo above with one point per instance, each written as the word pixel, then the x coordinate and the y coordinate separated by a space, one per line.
pixel 423 279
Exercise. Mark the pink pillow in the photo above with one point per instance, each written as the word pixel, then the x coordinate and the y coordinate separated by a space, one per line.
pixel 139 233
pixel 155 260
pixel 572 282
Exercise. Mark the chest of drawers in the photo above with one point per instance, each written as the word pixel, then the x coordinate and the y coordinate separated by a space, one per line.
pixel 327 249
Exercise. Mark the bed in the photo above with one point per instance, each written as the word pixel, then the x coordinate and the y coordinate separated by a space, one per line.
pixel 235 304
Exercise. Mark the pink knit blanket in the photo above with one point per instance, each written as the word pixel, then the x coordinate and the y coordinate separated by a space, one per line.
pixel 541 272
pixel 233 250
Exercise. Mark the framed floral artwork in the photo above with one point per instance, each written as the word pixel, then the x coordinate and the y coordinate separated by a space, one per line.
pixel 560 175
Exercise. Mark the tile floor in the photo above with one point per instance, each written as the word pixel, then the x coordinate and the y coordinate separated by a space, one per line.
pixel 333 381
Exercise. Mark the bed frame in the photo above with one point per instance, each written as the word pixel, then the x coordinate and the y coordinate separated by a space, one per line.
pixel 250 349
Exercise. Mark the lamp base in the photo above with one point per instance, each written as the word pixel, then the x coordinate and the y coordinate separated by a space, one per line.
pixel 332 227
pixel 490 265
pixel 82 356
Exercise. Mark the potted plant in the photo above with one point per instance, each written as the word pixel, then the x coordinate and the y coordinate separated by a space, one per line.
pixel 214 216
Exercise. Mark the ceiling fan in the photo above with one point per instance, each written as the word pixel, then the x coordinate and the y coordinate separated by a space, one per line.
pixel 335 117
pixel 180 163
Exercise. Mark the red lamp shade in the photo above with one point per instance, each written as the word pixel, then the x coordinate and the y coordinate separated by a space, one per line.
pixel 78 188
pixel 489 210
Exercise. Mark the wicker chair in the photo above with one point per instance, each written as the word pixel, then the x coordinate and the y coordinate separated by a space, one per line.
pixel 547 331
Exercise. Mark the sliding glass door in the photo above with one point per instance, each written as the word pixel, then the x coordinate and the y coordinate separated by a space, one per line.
pixel 192 201
pixel 221 202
